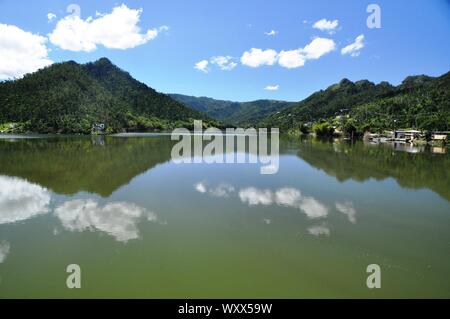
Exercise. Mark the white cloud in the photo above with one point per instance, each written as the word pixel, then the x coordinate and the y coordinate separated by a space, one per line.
pixel 319 231
pixel 116 30
pixel 326 25
pixel 4 250
pixel 21 52
pixel 291 58
pixel 119 219
pixel 347 208
pixel 253 196
pixel 225 63
pixel 354 49
pixel 163 28
pixel 272 87
pixel 312 51
pixel 318 47
pixel 257 57
pixel 202 66
pixel 21 200
pixel 51 16
pixel 271 33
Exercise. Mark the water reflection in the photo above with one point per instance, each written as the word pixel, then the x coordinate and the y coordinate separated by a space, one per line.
pixel 288 197
pixel 4 250
pixel 347 209
pixel 222 190
pixel 21 200
pixel 359 162
pixel 118 220
pixel 71 165
pixel 253 196
pixel 103 164
pixel 319 230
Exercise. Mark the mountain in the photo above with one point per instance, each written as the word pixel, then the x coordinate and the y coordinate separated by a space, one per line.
pixel 69 97
pixel 234 113
pixel 421 101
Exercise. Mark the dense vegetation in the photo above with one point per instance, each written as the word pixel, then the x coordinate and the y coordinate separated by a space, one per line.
pixel 70 98
pixel 420 102
pixel 234 113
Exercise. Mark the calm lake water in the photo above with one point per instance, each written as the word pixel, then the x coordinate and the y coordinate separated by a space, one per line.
pixel 140 225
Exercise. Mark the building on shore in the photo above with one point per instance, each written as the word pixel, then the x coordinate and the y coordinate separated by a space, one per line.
pixel 440 136
pixel 406 135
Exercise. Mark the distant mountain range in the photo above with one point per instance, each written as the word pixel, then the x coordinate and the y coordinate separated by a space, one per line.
pixel 234 113
pixel 70 97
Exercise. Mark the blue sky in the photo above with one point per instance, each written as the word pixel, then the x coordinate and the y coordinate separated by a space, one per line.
pixel 414 38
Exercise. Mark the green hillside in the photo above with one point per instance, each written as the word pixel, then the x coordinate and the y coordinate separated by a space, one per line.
pixel 69 97
pixel 420 102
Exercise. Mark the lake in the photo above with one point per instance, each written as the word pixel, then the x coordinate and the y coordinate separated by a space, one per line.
pixel 141 226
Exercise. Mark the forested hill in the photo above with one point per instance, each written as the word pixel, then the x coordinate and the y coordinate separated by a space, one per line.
pixel 69 98
pixel 234 113
pixel 421 102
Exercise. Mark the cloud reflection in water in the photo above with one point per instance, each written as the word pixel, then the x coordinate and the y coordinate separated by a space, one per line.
pixel 118 219
pixel 21 200
pixel 4 250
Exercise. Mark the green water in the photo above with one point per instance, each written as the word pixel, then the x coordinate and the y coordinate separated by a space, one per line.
pixel 140 225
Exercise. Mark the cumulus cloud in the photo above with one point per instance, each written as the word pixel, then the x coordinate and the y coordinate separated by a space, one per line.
pixel 272 87
pixel 347 209
pixel 258 57
pixel 21 52
pixel 21 200
pixel 354 49
pixel 202 66
pixel 225 63
pixel 319 231
pixel 271 33
pixel 51 16
pixel 290 59
pixel 326 25
pixel 118 219
pixel 318 47
pixel 116 30
pixel 4 250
